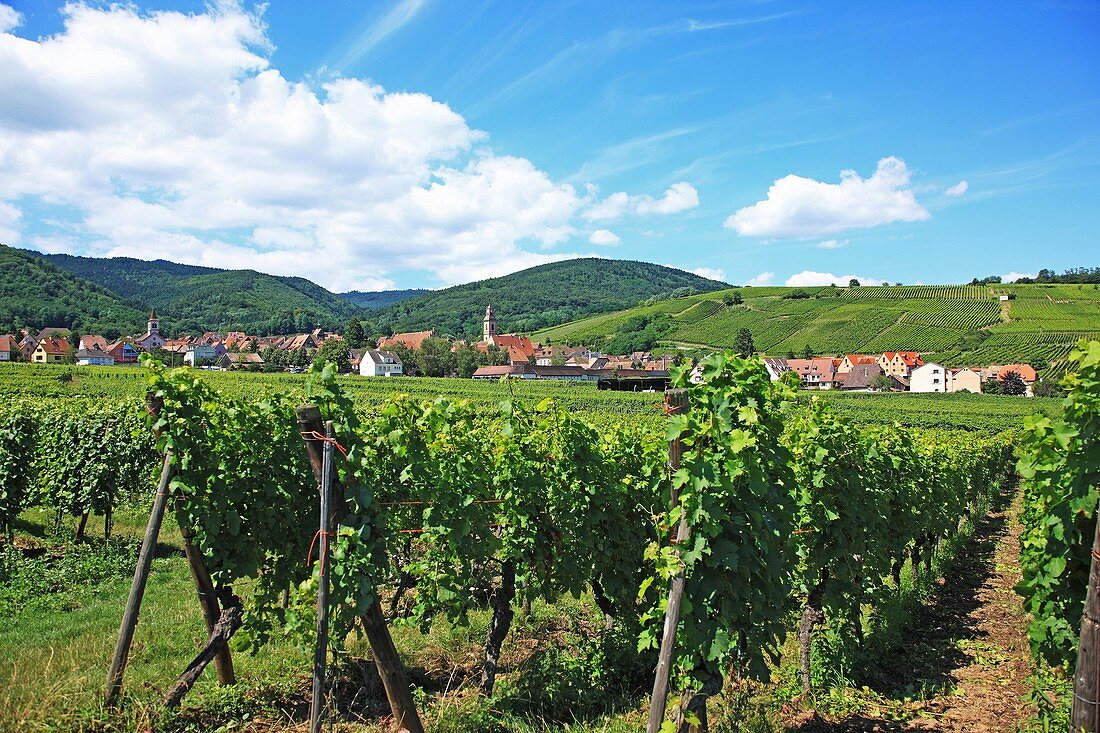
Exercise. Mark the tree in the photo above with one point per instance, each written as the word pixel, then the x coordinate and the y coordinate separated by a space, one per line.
pixel 807 352
pixel 991 386
pixel 410 362
pixel 354 334
pixel 334 351
pixel 882 383
pixel 733 298
pixel 745 346
pixel 467 360
pixel 853 283
pixel 1013 384
pixel 790 353
pixel 1048 388
pixel 435 357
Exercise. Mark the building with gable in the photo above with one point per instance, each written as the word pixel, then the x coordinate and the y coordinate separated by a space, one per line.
pixel 520 349
pixel 929 377
pixel 151 339
pixel 51 351
pixel 899 363
pixel 380 363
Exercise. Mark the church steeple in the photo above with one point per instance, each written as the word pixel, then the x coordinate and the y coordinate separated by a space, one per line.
pixel 488 325
pixel 154 322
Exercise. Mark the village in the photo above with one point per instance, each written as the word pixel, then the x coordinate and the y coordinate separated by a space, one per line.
pixel 506 354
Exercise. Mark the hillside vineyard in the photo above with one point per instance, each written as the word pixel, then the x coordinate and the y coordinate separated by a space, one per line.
pixel 953 325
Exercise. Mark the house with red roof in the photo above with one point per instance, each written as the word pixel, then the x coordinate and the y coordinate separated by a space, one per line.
pixel 851 361
pixel 9 348
pixel 900 363
pixel 816 373
pixel 91 342
pixel 51 351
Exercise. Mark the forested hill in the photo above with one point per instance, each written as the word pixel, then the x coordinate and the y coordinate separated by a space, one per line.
pixel 375 299
pixel 36 293
pixel 114 295
pixel 195 299
pixel 541 296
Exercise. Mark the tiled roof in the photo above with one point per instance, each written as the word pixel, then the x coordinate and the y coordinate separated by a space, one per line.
pixel 861 376
pixel 1026 371
pixel 411 340
pixel 510 341
pixel 57 347
pixel 501 370
pixel 380 356
pixel 91 341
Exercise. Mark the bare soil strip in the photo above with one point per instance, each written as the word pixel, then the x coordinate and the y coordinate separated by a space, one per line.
pixel 967 649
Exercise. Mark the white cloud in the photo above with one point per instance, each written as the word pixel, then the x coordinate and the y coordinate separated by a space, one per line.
pixel 764 278
pixel 711 273
pixel 809 278
pixel 803 207
pixel 679 197
pixel 162 134
pixel 958 189
pixel 605 237
pixel 10 18
pixel 9 223
pixel 1014 276
pixel 833 243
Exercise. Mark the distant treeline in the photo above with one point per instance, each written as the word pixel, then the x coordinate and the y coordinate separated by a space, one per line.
pixel 1074 275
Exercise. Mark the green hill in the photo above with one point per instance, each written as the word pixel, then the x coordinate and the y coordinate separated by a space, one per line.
pixel 955 325
pixel 541 296
pixel 375 299
pixel 35 293
pixel 195 299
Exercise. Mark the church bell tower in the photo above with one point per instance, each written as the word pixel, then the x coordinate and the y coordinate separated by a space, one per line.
pixel 489 326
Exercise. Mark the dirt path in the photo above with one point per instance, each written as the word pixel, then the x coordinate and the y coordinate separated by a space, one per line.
pixel 978 611
pixel 966 660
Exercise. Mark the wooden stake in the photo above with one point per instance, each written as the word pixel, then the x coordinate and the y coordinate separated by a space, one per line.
pixel 1085 715
pixel 320 650
pixel 228 622
pixel 137 588
pixel 677 401
pixel 386 659
pixel 208 599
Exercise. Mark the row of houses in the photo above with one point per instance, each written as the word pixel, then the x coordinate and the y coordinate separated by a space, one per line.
pixel 522 352
pixel 902 371
pixel 235 349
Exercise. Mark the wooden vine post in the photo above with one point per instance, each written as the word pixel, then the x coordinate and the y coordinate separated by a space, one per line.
pixel 676 402
pixel 320 651
pixel 1085 714
pixel 141 575
pixel 137 587
pixel 390 667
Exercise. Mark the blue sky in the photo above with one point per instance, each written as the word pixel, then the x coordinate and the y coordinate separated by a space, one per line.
pixel 422 143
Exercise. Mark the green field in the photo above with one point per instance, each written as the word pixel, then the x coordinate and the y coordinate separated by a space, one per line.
pixel 957 325
pixel 37 383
